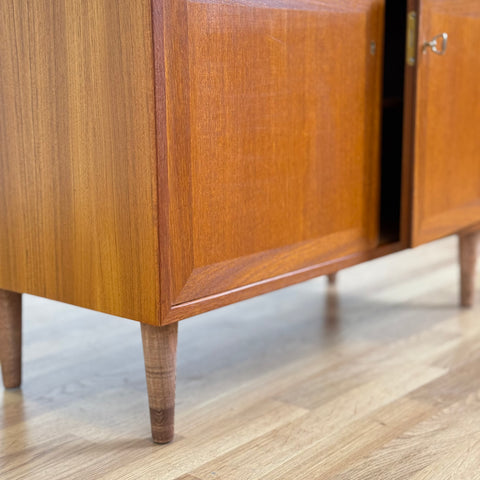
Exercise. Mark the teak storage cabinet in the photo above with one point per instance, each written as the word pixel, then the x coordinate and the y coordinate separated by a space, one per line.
pixel 161 158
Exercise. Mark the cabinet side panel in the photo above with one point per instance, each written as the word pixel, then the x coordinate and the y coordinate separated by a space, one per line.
pixel 78 198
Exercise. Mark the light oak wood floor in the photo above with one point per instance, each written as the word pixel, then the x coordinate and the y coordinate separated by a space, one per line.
pixel 377 378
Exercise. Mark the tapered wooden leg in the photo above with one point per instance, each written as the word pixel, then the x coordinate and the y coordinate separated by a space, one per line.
pixel 11 338
pixel 468 243
pixel 332 278
pixel 160 352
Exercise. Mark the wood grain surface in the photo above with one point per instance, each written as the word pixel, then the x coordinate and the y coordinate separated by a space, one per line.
pixel 11 338
pixel 78 198
pixel 160 353
pixel 375 379
pixel 468 252
pixel 270 140
pixel 80 161
pixel 242 137
pixel 446 195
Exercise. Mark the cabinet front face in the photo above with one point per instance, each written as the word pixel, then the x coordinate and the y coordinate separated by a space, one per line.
pixel 447 119
pixel 272 139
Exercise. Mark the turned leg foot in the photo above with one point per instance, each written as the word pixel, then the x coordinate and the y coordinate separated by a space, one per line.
pixel 468 258
pixel 332 278
pixel 11 338
pixel 159 350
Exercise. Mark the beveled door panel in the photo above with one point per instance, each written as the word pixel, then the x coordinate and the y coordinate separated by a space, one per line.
pixel 272 139
pixel 447 118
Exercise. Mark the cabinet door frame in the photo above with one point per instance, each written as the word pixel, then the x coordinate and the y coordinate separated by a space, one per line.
pixel 177 267
pixel 408 147
pixel 426 226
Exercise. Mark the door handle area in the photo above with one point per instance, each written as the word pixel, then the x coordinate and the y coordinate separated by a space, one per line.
pixel 438 44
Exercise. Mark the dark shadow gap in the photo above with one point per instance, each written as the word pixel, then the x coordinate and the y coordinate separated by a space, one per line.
pixel 392 120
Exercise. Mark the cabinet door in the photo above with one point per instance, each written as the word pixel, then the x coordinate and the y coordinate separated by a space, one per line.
pixel 447 121
pixel 272 139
